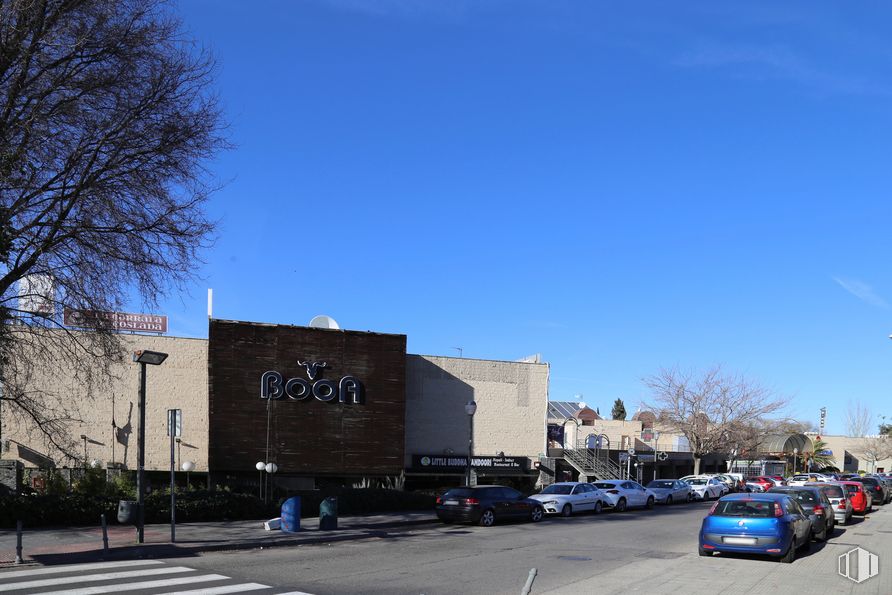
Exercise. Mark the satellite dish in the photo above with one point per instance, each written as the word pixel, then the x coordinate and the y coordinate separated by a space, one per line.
pixel 323 321
pixel 582 405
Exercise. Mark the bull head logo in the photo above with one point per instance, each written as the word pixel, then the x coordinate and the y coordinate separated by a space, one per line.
pixel 313 368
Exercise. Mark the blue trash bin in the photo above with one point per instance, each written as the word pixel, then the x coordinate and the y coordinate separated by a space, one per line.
pixel 291 515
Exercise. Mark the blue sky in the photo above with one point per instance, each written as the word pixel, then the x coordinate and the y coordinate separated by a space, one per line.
pixel 616 188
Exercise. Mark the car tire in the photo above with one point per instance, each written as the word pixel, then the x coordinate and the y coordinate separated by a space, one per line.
pixel 598 507
pixel 650 502
pixel 567 510
pixel 690 497
pixel 822 536
pixel 537 514
pixel 488 518
pixel 621 505
pixel 704 553
pixel 668 500
pixel 788 557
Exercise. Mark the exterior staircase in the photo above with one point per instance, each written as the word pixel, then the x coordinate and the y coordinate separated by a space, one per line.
pixel 593 464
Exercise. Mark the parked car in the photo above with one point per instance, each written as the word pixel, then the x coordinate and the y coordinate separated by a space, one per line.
pixel 875 488
pixel 779 478
pixel 752 486
pixel 805 478
pixel 486 504
pixel 772 523
pixel 862 501
pixel 568 497
pixel 816 504
pixel 841 504
pixel 886 484
pixel 624 493
pixel 765 481
pixel 668 491
pixel 707 488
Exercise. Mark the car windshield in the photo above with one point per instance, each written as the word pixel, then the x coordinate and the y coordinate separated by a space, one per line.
pixel 558 489
pixel 744 508
pixel 698 482
pixel 852 489
pixel 603 485
pixel 833 491
pixel 660 484
pixel 459 493
pixel 804 497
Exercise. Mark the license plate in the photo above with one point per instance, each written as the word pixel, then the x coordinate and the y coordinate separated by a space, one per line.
pixel 450 502
pixel 739 540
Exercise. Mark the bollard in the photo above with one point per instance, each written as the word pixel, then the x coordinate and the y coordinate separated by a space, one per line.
pixel 104 536
pixel 529 584
pixel 18 542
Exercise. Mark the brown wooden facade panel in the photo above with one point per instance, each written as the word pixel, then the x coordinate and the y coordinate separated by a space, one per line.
pixel 308 436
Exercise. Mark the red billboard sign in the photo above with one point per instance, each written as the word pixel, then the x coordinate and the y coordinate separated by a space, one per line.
pixel 117 321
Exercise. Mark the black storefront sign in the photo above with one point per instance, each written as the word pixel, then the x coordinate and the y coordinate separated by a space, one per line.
pixel 458 464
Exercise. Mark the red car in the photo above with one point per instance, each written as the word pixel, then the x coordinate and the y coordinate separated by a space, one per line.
pixel 862 502
pixel 764 481
pixel 780 478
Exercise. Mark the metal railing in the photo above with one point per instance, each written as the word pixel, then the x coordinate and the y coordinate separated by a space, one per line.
pixel 593 462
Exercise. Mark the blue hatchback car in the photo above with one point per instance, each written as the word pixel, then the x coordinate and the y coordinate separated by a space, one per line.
pixel 770 524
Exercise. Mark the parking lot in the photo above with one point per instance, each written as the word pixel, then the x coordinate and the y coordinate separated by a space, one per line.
pixel 638 551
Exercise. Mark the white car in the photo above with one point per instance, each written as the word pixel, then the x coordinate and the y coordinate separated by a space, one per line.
pixel 705 488
pixel 752 486
pixel 625 493
pixel 571 496
pixel 806 478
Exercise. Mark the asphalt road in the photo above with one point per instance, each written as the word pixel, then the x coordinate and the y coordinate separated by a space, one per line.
pixel 468 559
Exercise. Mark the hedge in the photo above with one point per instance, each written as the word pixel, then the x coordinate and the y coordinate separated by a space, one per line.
pixel 199 506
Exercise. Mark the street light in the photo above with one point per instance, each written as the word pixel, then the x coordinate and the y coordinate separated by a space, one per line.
pixel 143 358
pixel 260 466
pixel 270 468
pixel 187 467
pixel 470 409
pixel 795 454
pixel 84 438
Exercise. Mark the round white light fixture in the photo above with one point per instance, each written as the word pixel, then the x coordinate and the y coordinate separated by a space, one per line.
pixel 471 407
pixel 271 467
pixel 95 463
pixel 188 466
pixel 260 465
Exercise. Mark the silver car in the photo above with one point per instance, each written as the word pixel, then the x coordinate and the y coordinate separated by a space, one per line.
pixel 842 506
pixel 670 490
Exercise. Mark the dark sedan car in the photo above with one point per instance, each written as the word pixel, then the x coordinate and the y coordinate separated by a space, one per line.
pixel 876 489
pixel 816 504
pixel 485 504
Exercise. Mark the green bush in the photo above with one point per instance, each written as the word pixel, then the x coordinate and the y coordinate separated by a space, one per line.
pixel 82 508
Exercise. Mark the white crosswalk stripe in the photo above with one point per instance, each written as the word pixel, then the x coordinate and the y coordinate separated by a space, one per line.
pixel 149 576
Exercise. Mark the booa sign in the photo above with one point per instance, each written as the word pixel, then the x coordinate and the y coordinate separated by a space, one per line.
pixel 347 390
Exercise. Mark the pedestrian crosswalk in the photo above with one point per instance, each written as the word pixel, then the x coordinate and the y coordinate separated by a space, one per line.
pixel 145 576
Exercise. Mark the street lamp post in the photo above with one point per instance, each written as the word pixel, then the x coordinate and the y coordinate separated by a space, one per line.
pixel 86 460
pixel 260 465
pixel 795 455
pixel 270 468
pixel 187 467
pixel 143 358
pixel 470 409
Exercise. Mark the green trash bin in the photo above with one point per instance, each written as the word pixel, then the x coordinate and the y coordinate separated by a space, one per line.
pixel 328 514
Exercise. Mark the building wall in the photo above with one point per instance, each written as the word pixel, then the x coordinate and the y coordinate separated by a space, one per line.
pixel 855 447
pixel 512 400
pixel 179 383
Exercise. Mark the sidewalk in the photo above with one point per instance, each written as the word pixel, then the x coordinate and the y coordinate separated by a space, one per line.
pixel 79 544
pixel 815 571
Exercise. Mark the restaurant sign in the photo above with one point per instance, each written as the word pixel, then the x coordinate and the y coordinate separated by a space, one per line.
pixel 116 321
pixel 482 465
pixel 347 390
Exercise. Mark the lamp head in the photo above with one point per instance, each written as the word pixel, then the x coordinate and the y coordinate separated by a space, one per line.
pixel 188 466
pixel 154 358
pixel 260 465
pixel 471 407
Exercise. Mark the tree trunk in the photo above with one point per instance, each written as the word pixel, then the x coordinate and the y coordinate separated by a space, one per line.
pixel 696 465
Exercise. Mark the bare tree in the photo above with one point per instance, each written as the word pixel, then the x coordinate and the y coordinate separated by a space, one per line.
pixel 106 123
pixel 709 408
pixel 876 448
pixel 859 419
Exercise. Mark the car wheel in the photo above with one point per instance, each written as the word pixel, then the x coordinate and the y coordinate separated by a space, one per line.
pixel 567 510
pixel 621 505
pixel 650 502
pixel 537 514
pixel 598 507
pixel 690 497
pixel 822 536
pixel 488 518
pixel 791 553
pixel 703 552
pixel 668 500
